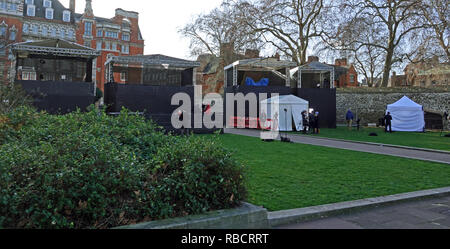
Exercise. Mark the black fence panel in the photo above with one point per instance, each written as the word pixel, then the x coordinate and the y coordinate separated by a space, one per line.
pixel 59 97
pixel 323 101
pixel 271 91
pixel 153 101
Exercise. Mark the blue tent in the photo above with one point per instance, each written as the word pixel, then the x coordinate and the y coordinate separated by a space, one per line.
pixel 250 82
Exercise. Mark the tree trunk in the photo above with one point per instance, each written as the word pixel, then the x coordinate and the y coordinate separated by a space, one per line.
pixel 387 66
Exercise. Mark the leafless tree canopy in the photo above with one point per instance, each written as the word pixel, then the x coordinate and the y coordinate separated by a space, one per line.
pixel 291 26
pixel 376 35
pixel 223 25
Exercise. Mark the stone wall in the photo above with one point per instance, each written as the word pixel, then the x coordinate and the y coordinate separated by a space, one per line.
pixel 370 106
pixel 247 216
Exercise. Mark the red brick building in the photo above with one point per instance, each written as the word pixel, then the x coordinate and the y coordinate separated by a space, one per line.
pixel 31 20
pixel 11 19
pixel 117 36
pixel 350 79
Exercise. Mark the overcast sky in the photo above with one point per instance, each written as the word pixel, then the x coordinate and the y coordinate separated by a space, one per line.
pixel 159 20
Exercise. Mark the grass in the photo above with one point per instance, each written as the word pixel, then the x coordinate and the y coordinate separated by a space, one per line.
pixel 284 176
pixel 429 140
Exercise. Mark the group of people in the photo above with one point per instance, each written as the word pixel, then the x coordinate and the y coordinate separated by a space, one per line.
pixel 311 122
pixel 386 121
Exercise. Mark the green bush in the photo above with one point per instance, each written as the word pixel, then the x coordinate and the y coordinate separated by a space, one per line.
pixel 96 171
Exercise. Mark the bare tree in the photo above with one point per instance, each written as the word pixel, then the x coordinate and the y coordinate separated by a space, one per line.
pixel 356 39
pixel 395 19
pixel 223 25
pixel 291 26
pixel 435 16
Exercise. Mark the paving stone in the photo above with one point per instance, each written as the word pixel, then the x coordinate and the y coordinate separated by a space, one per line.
pixel 330 223
pixel 443 222
pixel 431 226
pixel 370 217
pixel 427 214
pixel 423 214
pixel 396 224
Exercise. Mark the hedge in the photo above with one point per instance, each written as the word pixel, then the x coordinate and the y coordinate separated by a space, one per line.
pixel 91 170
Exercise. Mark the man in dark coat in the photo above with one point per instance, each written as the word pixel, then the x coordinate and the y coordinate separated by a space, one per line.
pixel 316 123
pixel 311 123
pixel 388 122
pixel 349 117
pixel 305 121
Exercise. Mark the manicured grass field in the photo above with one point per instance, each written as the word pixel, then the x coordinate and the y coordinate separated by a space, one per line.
pixel 284 176
pixel 430 140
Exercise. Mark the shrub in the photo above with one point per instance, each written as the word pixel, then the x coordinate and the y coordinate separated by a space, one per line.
pixel 12 97
pixel 96 171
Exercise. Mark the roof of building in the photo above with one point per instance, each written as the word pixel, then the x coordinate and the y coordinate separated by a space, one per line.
pixel 153 60
pixel 55 47
pixel 57 7
pixel 271 63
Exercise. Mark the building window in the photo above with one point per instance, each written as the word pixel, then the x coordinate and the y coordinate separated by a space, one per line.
pixel 35 29
pixel 3 31
pixel 125 49
pixel 71 34
pixel 13 7
pixel 126 37
pixel 31 10
pixel 87 44
pixel 66 16
pixel 88 28
pixel 53 32
pixel 124 76
pixel 62 34
pixel 111 34
pixel 114 46
pixel 29 76
pixel 2 5
pixel 99 33
pixel 49 14
pixel 29 2
pixel 107 46
pixel 44 31
pixel 47 4
pixel 352 78
pixel 99 45
pixel 25 28
pixel 12 35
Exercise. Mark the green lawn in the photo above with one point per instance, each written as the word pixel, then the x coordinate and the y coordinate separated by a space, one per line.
pixel 287 176
pixel 430 140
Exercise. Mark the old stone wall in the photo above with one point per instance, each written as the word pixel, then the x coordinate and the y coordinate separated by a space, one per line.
pixel 370 106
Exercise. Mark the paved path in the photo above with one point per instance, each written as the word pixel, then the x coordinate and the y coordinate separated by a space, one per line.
pixel 376 149
pixel 425 214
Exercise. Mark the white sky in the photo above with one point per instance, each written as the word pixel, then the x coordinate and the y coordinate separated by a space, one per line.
pixel 159 20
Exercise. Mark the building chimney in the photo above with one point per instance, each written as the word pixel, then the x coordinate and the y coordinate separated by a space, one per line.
pixel 88 9
pixel 252 53
pixel 312 58
pixel 72 6
pixel 277 56
pixel 341 62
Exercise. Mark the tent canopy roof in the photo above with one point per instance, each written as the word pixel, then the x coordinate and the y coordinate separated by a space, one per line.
pixel 286 99
pixel 405 102
pixel 268 63
pixel 55 47
pixel 153 60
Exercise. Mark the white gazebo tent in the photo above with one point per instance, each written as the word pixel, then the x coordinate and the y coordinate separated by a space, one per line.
pixel 407 116
pixel 283 109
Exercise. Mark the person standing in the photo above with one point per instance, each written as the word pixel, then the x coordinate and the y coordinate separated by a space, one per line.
pixel 349 117
pixel 316 123
pixel 305 121
pixel 311 123
pixel 446 119
pixel 388 122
